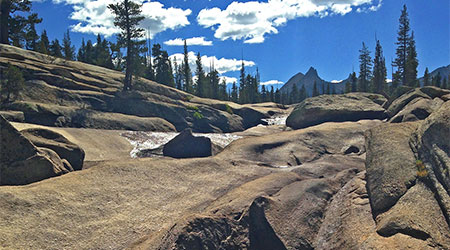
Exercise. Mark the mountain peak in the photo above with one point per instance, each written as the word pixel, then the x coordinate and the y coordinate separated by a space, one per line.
pixel 311 71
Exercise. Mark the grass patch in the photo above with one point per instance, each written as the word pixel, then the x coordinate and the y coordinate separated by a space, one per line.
pixel 190 107
pixel 197 115
pixel 228 109
pixel 422 171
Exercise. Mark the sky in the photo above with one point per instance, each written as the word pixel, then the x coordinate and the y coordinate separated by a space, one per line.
pixel 278 37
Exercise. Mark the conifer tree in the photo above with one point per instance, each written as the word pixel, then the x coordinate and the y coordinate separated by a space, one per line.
pixel 303 93
pixel 436 80
pixel 348 87
pixel 178 75
pixel 315 91
pixel 263 93
pixel 406 56
pixel 31 36
pixel 426 78
pixel 294 95
pixel 444 83
pixel 44 43
pixel 354 82
pixel 127 18
pixel 242 85
pixel 116 56
pixel 81 56
pixel 89 53
pixel 365 68
pixel 68 49
pixel 55 48
pixel 379 70
pixel 223 90
pixel 201 90
pixel 272 94
pixel 234 93
pixel 213 81
pixel 12 24
pixel 11 83
pixel 411 63
pixel 187 74
pixel 277 96
pixel 162 66
pixel 328 89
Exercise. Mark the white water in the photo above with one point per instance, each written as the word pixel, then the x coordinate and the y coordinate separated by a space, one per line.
pixel 150 140
pixel 276 120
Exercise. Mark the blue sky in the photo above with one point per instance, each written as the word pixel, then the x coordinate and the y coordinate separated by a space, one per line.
pixel 280 37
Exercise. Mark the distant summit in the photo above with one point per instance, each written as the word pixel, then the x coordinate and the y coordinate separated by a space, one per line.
pixel 308 80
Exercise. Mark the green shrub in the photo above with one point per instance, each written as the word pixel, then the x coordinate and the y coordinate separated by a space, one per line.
pixel 422 171
pixel 228 109
pixel 190 107
pixel 11 83
pixel 197 115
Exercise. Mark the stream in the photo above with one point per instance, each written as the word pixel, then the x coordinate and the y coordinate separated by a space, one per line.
pixel 143 140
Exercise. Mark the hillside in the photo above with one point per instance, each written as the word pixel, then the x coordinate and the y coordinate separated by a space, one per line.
pixel 444 71
pixel 308 80
pixel 74 94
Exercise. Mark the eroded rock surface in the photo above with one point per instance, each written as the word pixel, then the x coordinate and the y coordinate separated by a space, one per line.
pixel 336 108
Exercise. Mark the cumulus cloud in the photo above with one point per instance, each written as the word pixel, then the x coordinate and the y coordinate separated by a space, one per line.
pixel 271 82
pixel 200 41
pixel 252 20
pixel 93 16
pixel 222 65
pixel 336 81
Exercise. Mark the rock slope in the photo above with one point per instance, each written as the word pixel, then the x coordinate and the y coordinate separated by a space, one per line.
pixel 74 94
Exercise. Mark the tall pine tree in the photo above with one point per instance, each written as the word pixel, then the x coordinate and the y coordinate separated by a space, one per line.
pixel 426 78
pixel 365 68
pixel 127 18
pixel 379 70
pixel 411 63
pixel 68 49
pixel 187 73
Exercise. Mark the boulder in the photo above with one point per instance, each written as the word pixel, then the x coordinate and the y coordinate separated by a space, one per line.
pixel 13 116
pixel 390 164
pixel 433 144
pixel 417 109
pixel 62 146
pixel 334 108
pixel 21 162
pixel 186 145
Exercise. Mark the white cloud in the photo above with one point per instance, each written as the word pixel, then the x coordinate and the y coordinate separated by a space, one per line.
pixel 222 65
pixel 94 17
pixel 200 41
pixel 229 80
pixel 336 81
pixel 271 82
pixel 252 20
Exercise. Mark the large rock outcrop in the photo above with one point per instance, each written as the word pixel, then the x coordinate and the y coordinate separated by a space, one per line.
pixel 336 108
pixel 73 94
pixel 21 162
pixel 65 149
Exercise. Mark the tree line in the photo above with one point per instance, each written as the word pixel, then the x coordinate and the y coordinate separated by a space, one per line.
pixel 373 74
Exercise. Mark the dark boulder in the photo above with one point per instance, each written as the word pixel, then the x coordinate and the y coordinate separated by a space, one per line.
pixel 186 145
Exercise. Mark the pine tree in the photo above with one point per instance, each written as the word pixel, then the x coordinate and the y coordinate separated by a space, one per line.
pixel 162 66
pixel 223 90
pixel 379 70
pixel 426 78
pixel 365 68
pixel 81 56
pixel 303 93
pixel 444 84
pixel 89 55
pixel 187 74
pixel 243 97
pixel 411 63
pixel 11 83
pixel 315 90
pixel 348 87
pixel 354 82
pixel 234 93
pixel 68 49
pixel 328 89
pixel 213 84
pixel 263 94
pixel 403 40
pixel 436 80
pixel 44 43
pixel 127 18
pixel 31 36
pixel 272 94
pixel 201 89
pixel 178 75
pixel 277 97
pixel 294 95
pixel 12 24
pixel 55 48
